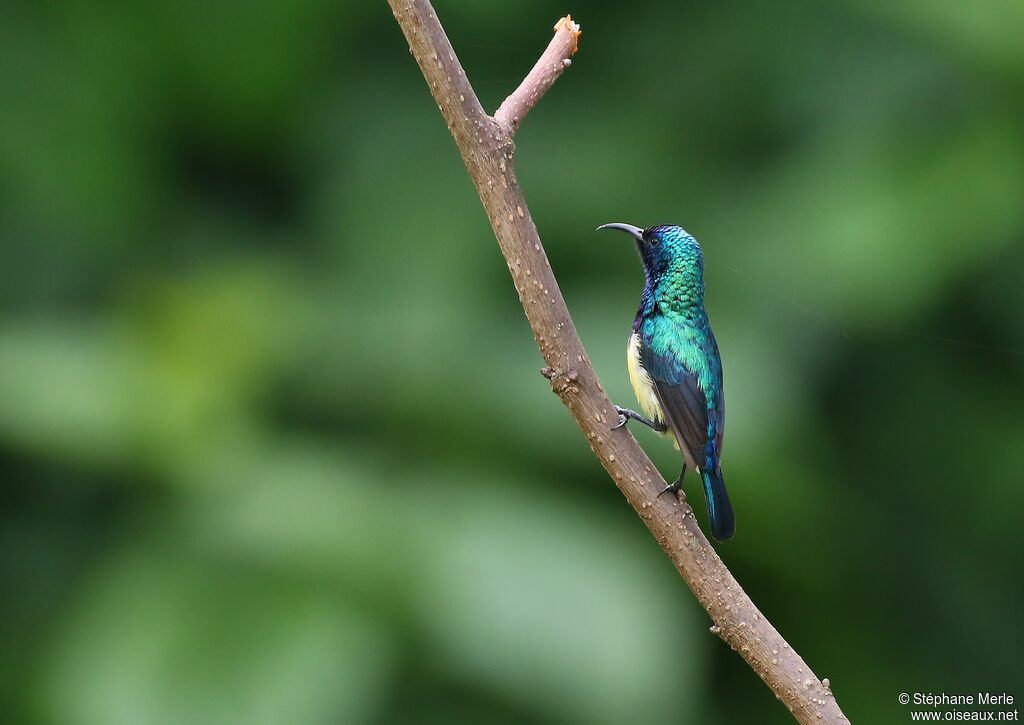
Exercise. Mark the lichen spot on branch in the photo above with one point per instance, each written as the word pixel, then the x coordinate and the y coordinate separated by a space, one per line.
pixel 572 27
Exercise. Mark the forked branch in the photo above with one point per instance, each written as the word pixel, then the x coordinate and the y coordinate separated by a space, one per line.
pixel 486 146
pixel 552 63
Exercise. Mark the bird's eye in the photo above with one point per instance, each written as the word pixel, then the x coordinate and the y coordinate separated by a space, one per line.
pixel 654 241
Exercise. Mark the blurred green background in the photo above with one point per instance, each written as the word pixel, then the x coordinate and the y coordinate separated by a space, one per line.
pixel 273 443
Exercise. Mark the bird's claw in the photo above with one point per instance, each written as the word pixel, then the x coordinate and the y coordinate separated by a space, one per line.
pixel 673 487
pixel 623 418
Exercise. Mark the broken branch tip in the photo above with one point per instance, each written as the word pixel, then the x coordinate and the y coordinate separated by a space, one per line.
pixel 573 27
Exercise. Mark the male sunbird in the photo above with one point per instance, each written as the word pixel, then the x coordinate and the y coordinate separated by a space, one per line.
pixel 674 364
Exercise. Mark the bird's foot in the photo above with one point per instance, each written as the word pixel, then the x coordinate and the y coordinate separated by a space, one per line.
pixel 625 414
pixel 673 487
pixel 676 485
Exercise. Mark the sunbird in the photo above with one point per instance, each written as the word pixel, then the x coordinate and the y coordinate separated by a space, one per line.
pixel 674 365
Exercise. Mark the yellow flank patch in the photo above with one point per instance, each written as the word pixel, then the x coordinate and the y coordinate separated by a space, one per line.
pixel 643 387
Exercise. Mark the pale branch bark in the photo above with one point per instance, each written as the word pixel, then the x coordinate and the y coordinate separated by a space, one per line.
pixel 487 150
pixel 551 64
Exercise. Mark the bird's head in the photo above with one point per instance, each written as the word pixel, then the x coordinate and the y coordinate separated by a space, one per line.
pixel 663 247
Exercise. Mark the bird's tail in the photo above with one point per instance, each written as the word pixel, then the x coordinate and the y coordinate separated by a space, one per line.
pixel 723 522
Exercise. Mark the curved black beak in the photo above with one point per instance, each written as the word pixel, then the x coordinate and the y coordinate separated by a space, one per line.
pixel 636 232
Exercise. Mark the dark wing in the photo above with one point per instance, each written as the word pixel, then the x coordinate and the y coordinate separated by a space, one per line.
pixel 672 367
pixel 686 410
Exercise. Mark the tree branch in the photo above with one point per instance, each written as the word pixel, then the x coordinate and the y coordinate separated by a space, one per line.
pixel 551 64
pixel 487 150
